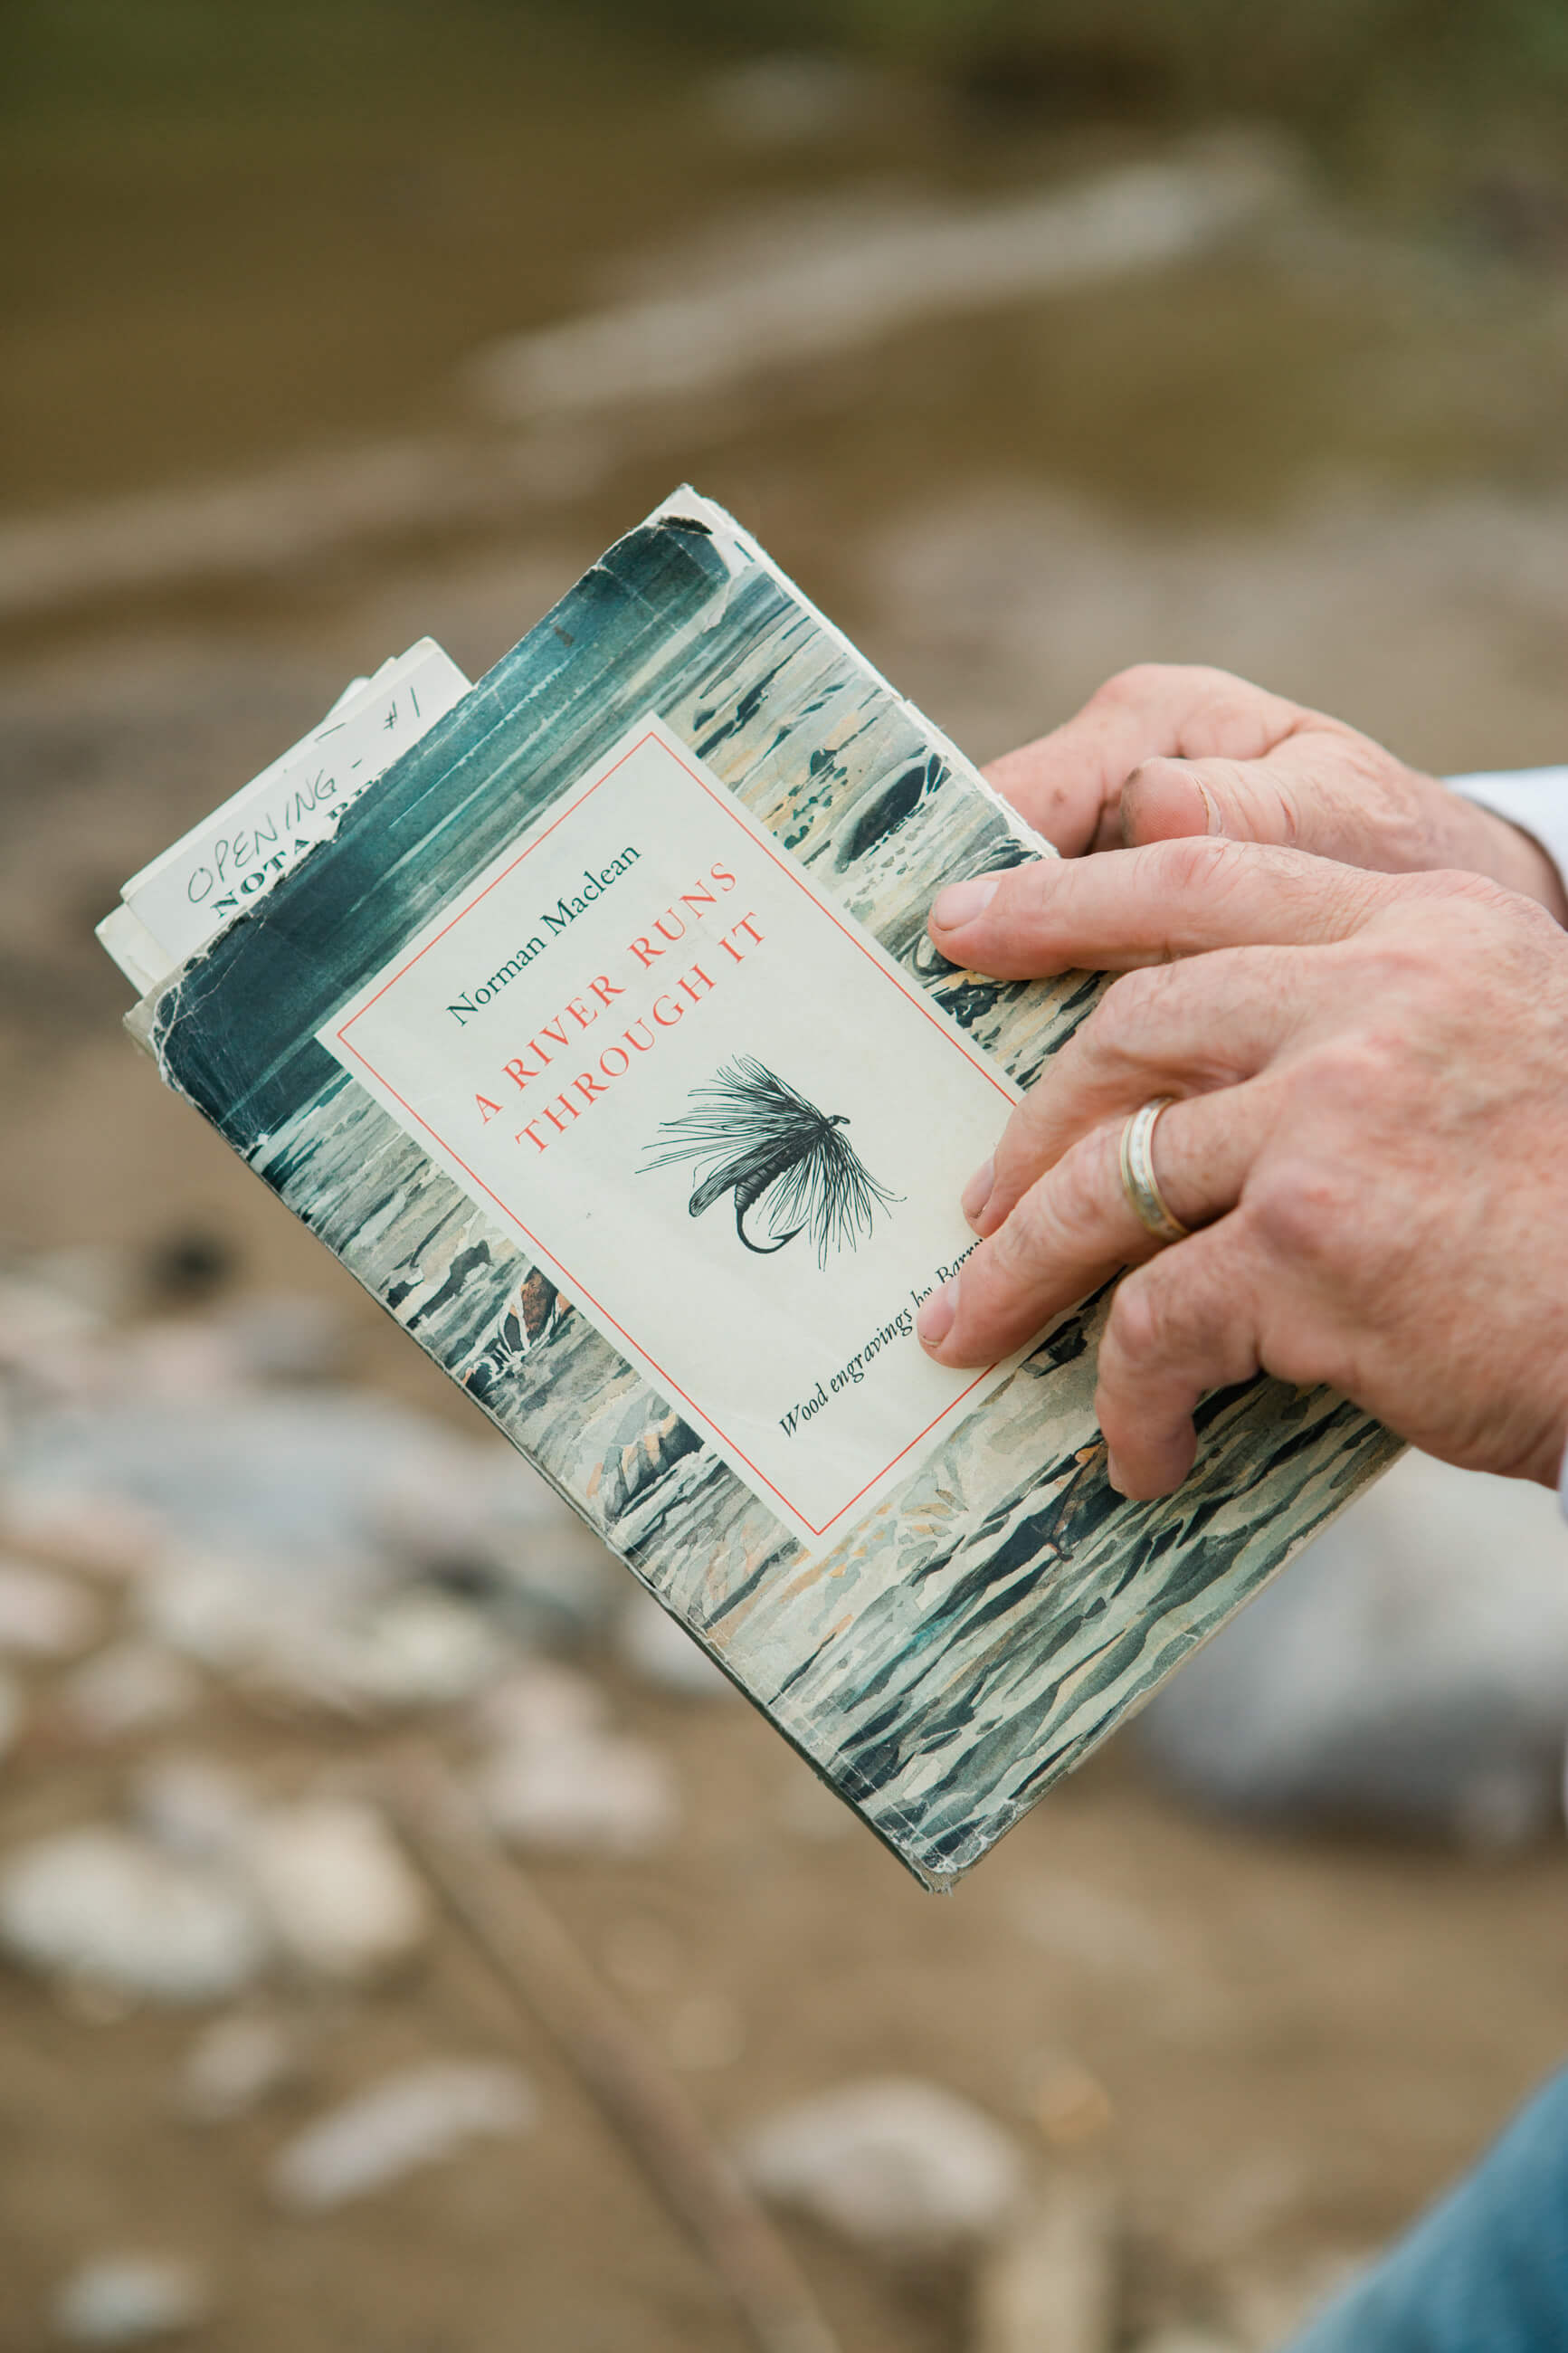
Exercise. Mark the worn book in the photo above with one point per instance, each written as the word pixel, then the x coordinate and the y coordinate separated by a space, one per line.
pixel 588 1015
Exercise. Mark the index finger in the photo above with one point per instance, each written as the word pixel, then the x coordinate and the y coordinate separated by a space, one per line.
pixel 1132 907
pixel 1068 783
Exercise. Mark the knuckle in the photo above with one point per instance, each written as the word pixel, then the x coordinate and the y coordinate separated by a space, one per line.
pixel 1400 970
pixel 1020 1140
pixel 1357 1076
pixel 1021 1156
pixel 1137 1328
pixel 1455 887
pixel 1203 866
pixel 1085 1182
pixel 1197 682
pixel 1016 1249
pixel 1139 682
pixel 1447 903
pixel 1117 1031
pixel 1308 1357
pixel 1302 1211
pixel 1062 1217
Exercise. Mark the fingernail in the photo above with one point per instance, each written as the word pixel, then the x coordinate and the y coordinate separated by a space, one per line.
pixel 934 1321
pixel 962 902
pixel 1113 1473
pixel 978 1190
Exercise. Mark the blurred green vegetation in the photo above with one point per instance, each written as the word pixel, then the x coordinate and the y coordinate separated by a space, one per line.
pixel 240 228
pixel 1385 88
pixel 1347 74
pixel 91 64
pixel 249 225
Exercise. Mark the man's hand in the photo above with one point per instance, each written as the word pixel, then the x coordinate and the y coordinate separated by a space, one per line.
pixel 1162 753
pixel 1372 1133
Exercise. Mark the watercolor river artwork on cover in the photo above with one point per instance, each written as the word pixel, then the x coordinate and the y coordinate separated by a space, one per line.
pixel 970 1641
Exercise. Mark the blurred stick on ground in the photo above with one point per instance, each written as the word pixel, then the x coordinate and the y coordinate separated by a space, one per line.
pixel 544 1971
pixel 1050 2284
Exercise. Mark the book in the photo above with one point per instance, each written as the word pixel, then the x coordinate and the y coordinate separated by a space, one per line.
pixel 187 895
pixel 601 1038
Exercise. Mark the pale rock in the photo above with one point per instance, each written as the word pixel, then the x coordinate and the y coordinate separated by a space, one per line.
pixel 605 1794
pixel 561 1581
pixel 107 1535
pixel 540 1704
pixel 237 2064
pixel 558 1779
pixel 97 1279
pixel 437 1508
pixel 549 1586
pixel 336 1650
pixel 285 1336
pixel 418 1649
pixel 214 1610
pixel 101 1906
pixel 336 1889
pixel 407 2121
pixel 1410 1670
pixel 182 1361
pixel 193 1806
pixel 134 1686
pixel 554 1580
pixel 38 1318
pixel 291 1486
pixel 893 2164
pixel 291 1517
pixel 658 1649
pixel 42 1614
pixel 129 2299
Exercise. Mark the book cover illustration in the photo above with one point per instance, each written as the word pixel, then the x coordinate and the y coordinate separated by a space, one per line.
pixel 772 1151
pixel 923 1578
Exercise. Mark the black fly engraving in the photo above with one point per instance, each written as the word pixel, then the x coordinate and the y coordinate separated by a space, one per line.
pixel 749 1133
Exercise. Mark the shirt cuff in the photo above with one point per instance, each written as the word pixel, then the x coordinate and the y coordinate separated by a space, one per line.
pixel 1535 799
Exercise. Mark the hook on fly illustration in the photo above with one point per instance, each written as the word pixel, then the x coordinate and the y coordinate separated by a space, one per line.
pixel 749 1133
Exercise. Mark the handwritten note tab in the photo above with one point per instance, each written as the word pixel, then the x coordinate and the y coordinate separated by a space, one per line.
pixel 188 895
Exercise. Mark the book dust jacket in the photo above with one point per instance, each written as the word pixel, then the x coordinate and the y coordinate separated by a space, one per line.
pixel 602 1040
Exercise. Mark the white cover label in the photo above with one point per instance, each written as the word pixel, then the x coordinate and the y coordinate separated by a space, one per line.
pixel 234 857
pixel 713 1109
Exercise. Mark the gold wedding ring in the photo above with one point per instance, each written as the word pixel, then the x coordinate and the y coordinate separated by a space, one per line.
pixel 1138 1182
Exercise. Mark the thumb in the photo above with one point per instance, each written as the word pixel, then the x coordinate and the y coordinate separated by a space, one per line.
pixel 1243 800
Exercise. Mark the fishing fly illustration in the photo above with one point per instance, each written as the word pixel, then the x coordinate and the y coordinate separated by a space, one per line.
pixel 749 1133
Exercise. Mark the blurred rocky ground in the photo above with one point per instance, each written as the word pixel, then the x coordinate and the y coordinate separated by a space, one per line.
pixel 259 2083
pixel 1020 393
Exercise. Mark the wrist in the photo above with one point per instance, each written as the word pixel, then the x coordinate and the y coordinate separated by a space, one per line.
pixel 1530 868
pixel 1521 837
pixel 1506 853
